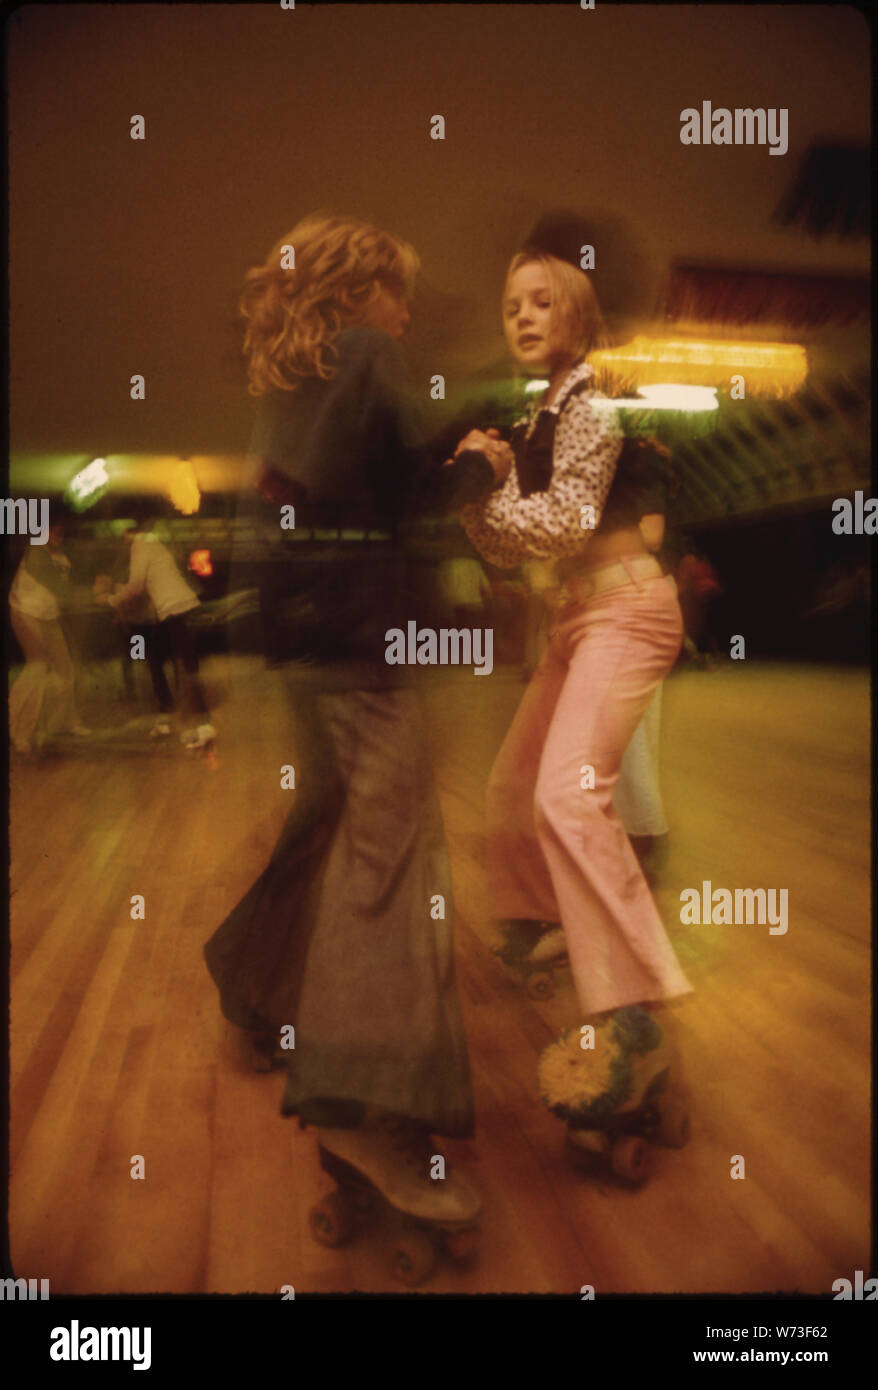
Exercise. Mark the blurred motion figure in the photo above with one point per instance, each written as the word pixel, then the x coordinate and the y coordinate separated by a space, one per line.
pixel 46 686
pixel 337 936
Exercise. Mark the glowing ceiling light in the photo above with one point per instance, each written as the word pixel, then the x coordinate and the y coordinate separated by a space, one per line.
pixel 84 486
pixel 183 488
pixel 670 396
pixel 768 369
pixel 693 400
pixel 534 386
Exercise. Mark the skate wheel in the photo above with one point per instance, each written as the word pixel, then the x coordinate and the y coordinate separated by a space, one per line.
pixel 331 1221
pixel 673 1127
pixel 461 1246
pixel 540 985
pixel 413 1258
pixel 630 1159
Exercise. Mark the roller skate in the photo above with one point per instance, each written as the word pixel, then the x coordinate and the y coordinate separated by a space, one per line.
pixel 618 1097
pixel 201 742
pixel 532 949
pixel 382 1173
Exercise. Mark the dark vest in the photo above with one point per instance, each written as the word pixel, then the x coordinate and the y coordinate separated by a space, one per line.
pixel 644 481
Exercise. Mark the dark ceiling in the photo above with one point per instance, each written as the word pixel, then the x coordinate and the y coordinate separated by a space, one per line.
pixel 127 256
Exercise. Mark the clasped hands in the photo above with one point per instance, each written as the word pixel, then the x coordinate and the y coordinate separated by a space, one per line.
pixel 488 442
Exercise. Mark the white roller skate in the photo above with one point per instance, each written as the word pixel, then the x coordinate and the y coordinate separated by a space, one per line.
pixel 195 739
pixel 201 743
pixel 383 1167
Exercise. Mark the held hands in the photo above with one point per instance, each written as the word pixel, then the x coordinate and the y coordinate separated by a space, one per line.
pixel 488 442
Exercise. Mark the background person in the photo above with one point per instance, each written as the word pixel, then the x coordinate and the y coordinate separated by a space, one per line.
pixel 46 687
pixel 154 573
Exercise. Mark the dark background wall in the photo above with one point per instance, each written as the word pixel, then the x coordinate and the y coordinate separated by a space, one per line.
pixel 127 256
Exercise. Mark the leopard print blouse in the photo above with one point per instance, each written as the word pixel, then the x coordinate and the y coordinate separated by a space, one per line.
pixel 507 528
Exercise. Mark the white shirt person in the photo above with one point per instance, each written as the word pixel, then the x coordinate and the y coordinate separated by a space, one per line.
pixel 155 572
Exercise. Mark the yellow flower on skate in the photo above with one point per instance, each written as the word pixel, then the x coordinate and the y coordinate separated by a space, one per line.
pixel 585 1083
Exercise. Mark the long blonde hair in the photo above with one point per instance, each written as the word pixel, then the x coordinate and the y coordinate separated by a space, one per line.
pixel 293 315
pixel 573 297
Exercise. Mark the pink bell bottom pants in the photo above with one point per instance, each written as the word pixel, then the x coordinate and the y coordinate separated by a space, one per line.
pixel 558 851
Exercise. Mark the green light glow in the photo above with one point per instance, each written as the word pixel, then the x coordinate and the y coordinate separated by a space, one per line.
pixel 86 486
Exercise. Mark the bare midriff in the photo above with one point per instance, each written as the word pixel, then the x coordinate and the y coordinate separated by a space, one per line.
pixel 603 550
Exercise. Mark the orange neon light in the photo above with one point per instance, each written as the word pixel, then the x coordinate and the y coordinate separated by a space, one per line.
pixel 200 563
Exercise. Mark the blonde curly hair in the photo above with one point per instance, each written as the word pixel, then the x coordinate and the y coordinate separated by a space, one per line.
pixel 293 315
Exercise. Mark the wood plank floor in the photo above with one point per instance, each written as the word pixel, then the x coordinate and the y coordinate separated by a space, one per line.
pixel 118 1048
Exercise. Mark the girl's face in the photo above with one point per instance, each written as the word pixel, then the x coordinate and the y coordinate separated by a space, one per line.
pixel 536 332
pixel 388 311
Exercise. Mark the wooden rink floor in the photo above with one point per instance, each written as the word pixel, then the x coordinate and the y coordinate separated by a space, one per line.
pixel 118 1047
